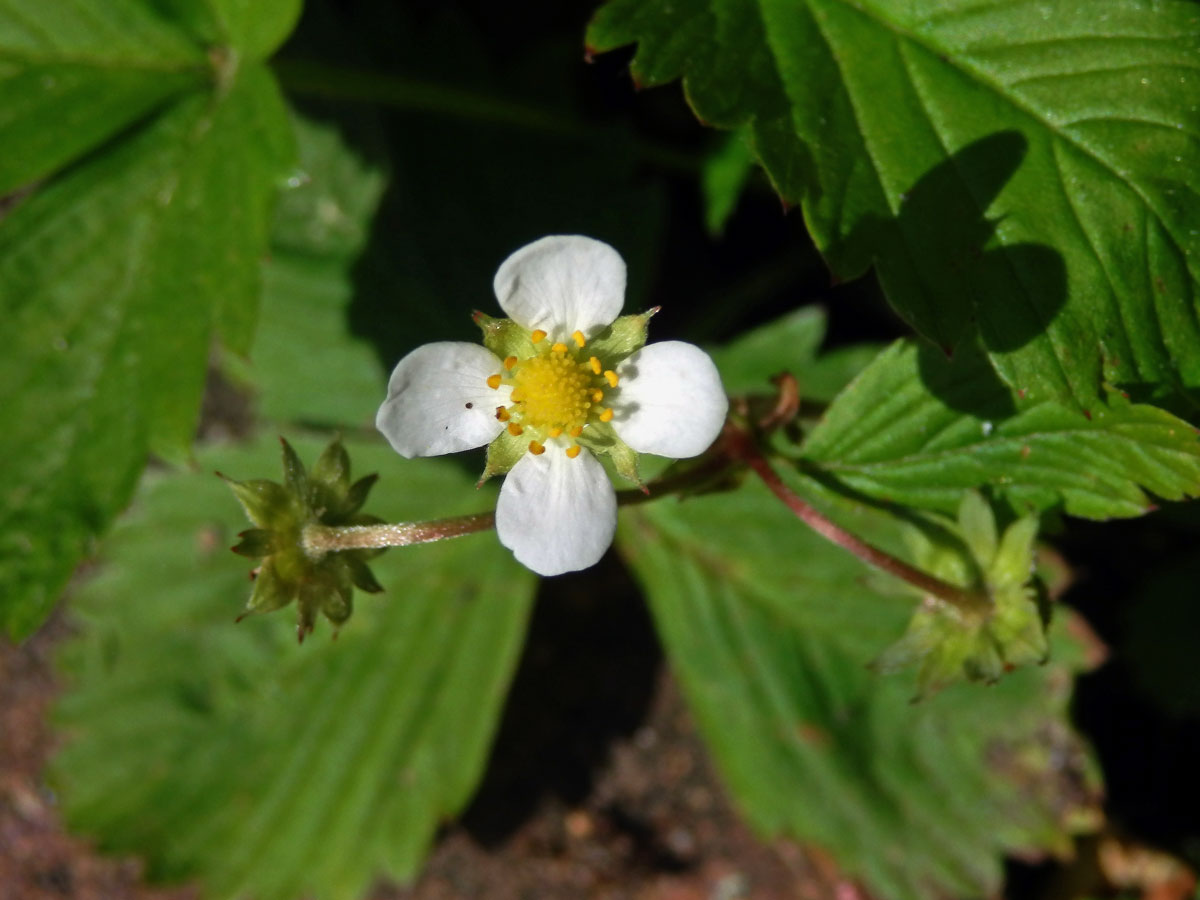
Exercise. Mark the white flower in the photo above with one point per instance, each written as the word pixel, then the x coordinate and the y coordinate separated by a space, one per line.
pixel 567 377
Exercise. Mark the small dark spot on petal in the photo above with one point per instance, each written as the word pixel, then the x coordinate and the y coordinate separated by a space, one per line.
pixel 470 406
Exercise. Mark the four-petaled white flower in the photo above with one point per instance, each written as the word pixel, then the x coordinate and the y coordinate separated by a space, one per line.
pixel 563 377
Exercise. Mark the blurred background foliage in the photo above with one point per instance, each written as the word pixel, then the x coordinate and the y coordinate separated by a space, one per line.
pixel 412 147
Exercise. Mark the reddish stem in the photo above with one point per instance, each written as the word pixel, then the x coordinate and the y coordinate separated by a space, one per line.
pixel 743 447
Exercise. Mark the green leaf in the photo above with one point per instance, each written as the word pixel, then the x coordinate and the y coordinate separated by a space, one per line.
pixel 918 430
pixel 306 365
pixel 225 751
pixel 724 176
pixel 770 630
pixel 74 74
pixel 114 280
pixel 1028 170
pixel 790 344
pixel 255 28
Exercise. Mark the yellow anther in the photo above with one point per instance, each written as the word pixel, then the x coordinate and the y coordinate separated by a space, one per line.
pixel 573 451
pixel 560 347
pixel 555 432
pixel 537 336
pixel 514 429
pixel 576 431
pixel 502 413
pixel 606 415
pixel 611 377
pixel 595 364
pixel 579 339
pixel 536 449
pixel 517 395
pixel 597 396
pixel 493 381
pixel 509 362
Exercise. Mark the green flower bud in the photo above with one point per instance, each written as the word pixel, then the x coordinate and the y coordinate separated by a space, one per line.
pixel 318 583
pixel 948 643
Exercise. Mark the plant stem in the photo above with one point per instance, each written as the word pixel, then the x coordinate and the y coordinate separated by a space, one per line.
pixel 318 540
pixel 743 446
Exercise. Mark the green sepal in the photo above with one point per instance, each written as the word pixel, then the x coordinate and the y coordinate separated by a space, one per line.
pixel 362 576
pixel 267 504
pixel 978 526
pixel 622 338
pixel 295 479
pixel 1014 559
pixel 320 584
pixel 941 552
pixel 270 591
pixel 950 644
pixel 504 337
pixel 356 495
pixel 255 543
pixel 502 454
pixel 602 439
pixel 338 607
pixel 332 470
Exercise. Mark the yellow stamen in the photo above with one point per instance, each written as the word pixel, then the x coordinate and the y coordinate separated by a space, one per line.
pixel 573 451
pixel 597 396
pixel 578 338
pixel 611 377
pixel 606 415
pixel 576 431
pixel 514 429
pixel 536 449
pixel 559 348
pixel 555 432
pixel 517 395
pixel 493 381
pixel 595 364
pixel 502 414
pixel 510 362
pixel 537 336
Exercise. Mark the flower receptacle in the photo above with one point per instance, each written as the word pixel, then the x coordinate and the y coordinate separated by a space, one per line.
pixel 292 569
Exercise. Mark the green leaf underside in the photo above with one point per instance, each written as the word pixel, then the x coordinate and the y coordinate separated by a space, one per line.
pixel 74 74
pixel 770 631
pixel 113 281
pixel 898 433
pixel 226 751
pixel 306 365
pixel 1032 170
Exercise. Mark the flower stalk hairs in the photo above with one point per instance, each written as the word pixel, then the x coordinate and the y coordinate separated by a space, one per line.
pixel 565 379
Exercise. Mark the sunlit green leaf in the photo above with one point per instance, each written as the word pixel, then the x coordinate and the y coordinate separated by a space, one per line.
pixel 1027 169
pixel 918 430
pixel 226 752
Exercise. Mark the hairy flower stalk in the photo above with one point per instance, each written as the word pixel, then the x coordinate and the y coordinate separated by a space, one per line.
pixel 317 539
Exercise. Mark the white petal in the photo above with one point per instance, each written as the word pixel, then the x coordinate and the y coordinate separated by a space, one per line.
pixel 439 402
pixel 561 284
pixel 672 402
pixel 557 514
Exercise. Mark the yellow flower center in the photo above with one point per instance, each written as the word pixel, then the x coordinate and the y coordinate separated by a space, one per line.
pixel 556 391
